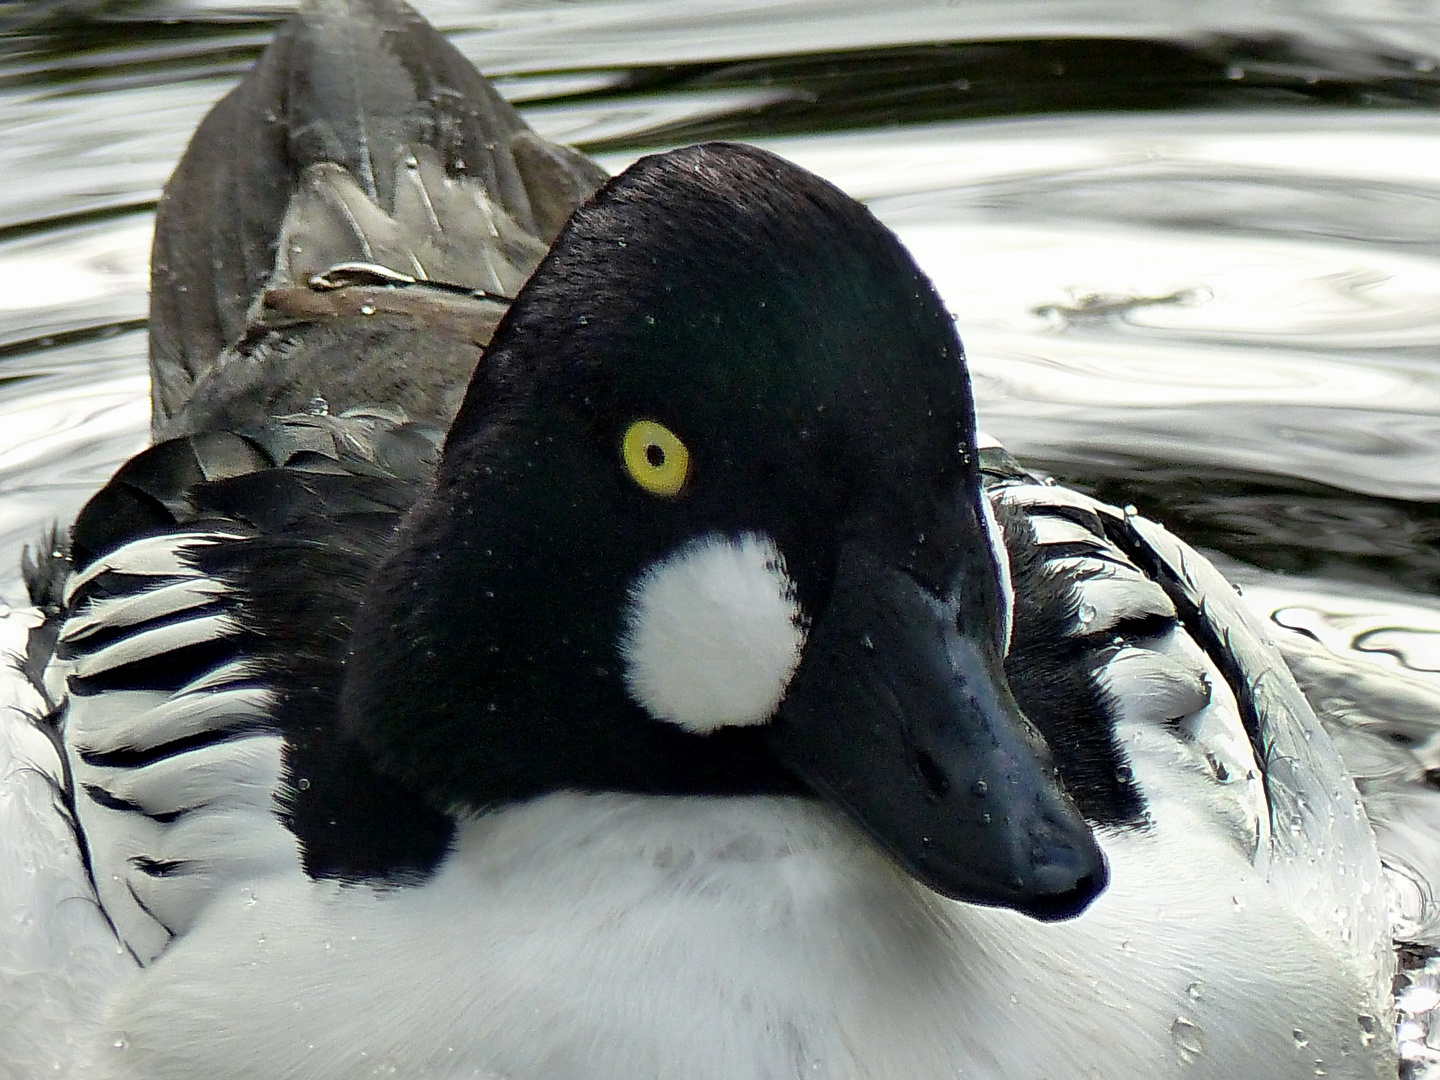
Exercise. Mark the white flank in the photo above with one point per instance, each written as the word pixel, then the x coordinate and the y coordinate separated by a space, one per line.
pixel 59 960
pixel 714 633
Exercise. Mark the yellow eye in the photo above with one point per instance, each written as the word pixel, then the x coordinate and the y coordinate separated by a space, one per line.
pixel 655 458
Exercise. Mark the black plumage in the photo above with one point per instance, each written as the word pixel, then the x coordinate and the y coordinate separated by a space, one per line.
pixel 1056 676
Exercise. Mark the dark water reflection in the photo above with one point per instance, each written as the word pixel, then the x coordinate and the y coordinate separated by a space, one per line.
pixel 1194 250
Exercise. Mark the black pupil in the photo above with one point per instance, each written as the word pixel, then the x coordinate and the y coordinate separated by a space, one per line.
pixel 655 456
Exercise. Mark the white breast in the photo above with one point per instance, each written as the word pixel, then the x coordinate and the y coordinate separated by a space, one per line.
pixel 621 937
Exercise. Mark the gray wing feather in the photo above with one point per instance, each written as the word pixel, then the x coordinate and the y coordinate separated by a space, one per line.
pixel 361 137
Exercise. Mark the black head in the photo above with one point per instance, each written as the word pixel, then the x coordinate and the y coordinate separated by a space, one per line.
pixel 709 520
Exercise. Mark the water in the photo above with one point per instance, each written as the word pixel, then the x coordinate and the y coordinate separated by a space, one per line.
pixel 1193 250
pixel 1215 304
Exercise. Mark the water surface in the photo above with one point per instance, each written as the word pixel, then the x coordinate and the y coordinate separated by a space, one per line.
pixel 1193 250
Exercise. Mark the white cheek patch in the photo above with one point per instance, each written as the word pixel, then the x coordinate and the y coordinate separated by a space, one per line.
pixel 713 634
pixel 1002 565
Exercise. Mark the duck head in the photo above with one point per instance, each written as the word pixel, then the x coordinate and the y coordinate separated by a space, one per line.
pixel 709 521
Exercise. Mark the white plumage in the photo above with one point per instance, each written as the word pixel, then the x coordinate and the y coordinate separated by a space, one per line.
pixel 713 634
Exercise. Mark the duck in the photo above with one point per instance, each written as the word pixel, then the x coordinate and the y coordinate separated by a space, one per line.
pixel 570 626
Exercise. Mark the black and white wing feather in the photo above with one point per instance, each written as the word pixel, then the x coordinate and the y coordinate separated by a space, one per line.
pixel 1203 706
pixel 173 760
pixel 169 672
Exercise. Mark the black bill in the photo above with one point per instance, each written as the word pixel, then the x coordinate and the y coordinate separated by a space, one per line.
pixel 899 714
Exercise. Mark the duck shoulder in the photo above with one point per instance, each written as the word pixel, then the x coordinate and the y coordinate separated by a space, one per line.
pixel 198 643
pixel 1183 662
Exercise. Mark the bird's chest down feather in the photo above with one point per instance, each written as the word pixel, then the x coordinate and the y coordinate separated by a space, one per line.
pixel 611 936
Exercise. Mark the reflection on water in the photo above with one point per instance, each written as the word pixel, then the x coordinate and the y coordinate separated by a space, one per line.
pixel 1267 385
pixel 1217 306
